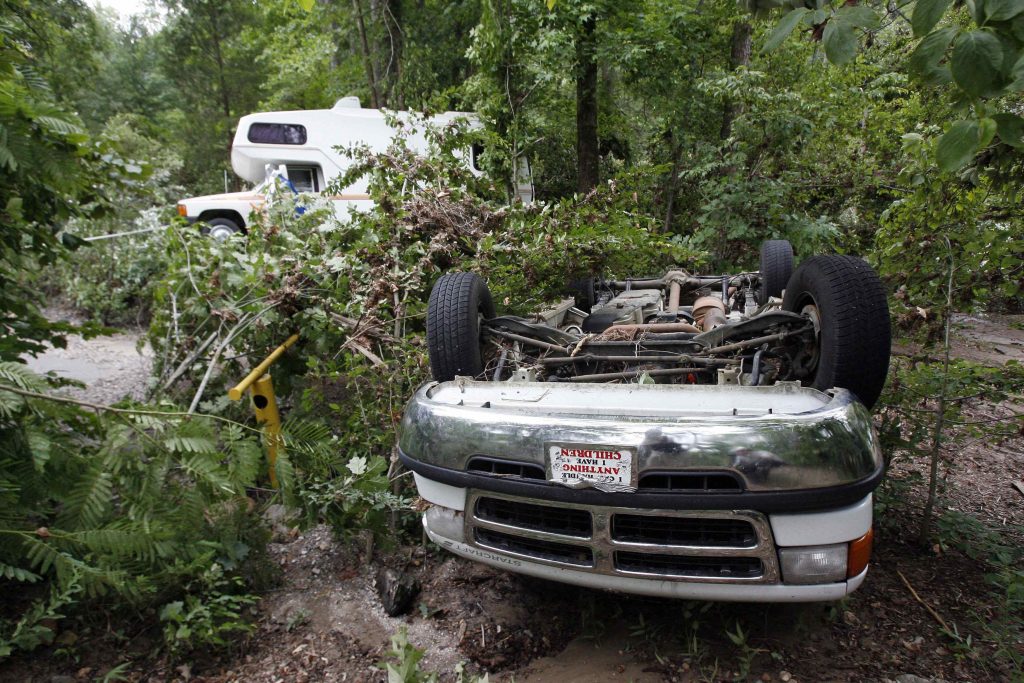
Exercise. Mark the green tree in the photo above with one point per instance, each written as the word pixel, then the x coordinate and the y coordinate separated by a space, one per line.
pixel 211 52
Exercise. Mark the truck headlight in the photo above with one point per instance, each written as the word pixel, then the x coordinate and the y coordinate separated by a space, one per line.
pixel 814 564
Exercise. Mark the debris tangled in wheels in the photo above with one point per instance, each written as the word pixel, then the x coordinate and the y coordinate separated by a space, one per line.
pixel 830 330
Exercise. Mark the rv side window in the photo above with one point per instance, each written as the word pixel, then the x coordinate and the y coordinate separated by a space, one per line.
pixel 277 133
pixel 476 151
pixel 304 178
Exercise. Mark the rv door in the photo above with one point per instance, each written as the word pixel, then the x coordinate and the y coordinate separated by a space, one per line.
pixel 524 181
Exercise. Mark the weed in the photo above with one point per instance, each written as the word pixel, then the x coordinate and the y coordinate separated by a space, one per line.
pixel 296 619
pixel 212 616
pixel 746 656
pixel 1003 627
pixel 405 657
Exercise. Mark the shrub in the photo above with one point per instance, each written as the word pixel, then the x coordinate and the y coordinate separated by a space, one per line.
pixel 128 501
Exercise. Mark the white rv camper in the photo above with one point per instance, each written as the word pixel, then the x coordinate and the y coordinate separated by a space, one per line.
pixel 302 146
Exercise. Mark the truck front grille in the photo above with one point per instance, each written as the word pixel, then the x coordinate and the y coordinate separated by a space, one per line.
pixel 694 531
pixel 689 567
pixel 504 468
pixel 535 548
pixel 564 521
pixel 681 545
pixel 690 482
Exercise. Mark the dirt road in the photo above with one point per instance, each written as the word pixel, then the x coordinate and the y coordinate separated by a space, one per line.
pixel 111 366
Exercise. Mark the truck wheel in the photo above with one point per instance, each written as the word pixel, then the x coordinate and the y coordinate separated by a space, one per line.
pixel 583 292
pixel 458 303
pixel 221 228
pixel 844 298
pixel 776 268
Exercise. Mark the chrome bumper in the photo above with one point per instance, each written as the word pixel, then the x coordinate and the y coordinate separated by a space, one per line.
pixel 600 558
pixel 786 447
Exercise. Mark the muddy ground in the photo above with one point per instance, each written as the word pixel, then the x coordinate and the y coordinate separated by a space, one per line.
pixel 325 623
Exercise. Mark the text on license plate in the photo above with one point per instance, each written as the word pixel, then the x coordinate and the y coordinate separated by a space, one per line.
pixel 576 465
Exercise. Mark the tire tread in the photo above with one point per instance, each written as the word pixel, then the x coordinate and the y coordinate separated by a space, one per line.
pixel 855 327
pixel 453 333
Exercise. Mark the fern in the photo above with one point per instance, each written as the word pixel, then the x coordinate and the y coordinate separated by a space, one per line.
pixel 286 480
pixel 208 472
pixel 89 501
pixel 39 444
pixel 57 125
pixel 10 404
pixel 18 574
pixel 44 556
pixel 190 444
pixel 120 541
pixel 18 375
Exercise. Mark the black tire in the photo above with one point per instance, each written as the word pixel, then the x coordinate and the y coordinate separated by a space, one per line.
pixel 221 228
pixel 458 302
pixel 583 292
pixel 854 339
pixel 776 268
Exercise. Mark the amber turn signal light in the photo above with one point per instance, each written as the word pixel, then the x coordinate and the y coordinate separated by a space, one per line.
pixel 181 210
pixel 859 554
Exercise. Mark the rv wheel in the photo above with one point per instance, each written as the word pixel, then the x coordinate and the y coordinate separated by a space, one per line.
pixel 458 304
pixel 221 228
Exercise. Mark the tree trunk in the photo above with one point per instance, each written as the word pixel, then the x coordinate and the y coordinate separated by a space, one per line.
pixel 393 72
pixel 673 180
pixel 739 56
pixel 586 110
pixel 367 59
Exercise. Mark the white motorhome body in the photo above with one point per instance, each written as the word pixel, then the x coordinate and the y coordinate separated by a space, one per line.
pixel 306 143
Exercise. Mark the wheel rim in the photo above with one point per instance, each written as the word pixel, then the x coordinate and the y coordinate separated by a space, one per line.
pixel 221 232
pixel 810 309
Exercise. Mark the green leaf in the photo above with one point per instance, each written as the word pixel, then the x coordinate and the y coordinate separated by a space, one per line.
pixel 958 145
pixel 783 29
pixel 860 16
pixel 924 60
pixel 14 205
pixel 926 14
pixel 1001 10
pixel 306 4
pixel 840 41
pixel 976 63
pixel 1017 75
pixel 1010 128
pixel 986 131
pixel 1017 28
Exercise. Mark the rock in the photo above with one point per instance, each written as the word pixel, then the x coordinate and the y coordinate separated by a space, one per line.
pixel 396 590
pixel 282 522
pixel 911 678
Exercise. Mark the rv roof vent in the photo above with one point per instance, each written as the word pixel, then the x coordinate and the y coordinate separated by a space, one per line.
pixel 350 102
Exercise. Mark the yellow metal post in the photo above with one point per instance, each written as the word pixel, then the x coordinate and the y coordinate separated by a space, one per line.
pixel 262 389
pixel 266 412
pixel 235 392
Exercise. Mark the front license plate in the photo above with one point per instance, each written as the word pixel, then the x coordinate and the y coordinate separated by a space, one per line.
pixel 606 469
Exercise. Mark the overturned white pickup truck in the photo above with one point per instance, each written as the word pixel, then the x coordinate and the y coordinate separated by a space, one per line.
pixel 692 436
